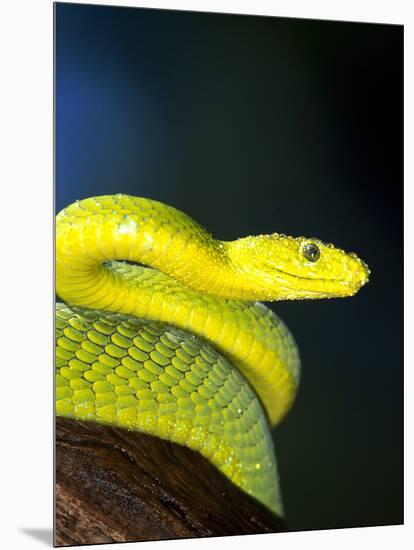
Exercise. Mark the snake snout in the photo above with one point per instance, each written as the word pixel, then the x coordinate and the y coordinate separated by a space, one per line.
pixel 358 272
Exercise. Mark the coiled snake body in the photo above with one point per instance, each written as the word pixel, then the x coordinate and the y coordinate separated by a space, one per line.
pixel 183 349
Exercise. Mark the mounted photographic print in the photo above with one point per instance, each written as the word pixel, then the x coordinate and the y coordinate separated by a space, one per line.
pixel 229 308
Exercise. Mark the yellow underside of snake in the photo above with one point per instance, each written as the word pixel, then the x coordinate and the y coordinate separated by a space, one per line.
pixel 180 346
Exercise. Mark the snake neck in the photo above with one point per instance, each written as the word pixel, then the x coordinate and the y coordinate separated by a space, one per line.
pixel 91 233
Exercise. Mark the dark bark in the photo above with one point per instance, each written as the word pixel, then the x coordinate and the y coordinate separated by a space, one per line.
pixel 117 486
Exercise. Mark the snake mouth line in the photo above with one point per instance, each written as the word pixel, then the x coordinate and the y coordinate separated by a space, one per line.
pixel 319 287
pixel 315 279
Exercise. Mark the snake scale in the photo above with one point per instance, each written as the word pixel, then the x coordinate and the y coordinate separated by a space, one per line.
pixel 161 329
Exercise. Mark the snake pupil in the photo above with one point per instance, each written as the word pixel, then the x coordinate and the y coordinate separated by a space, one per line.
pixel 311 252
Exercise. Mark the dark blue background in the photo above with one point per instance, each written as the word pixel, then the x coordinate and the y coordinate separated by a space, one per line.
pixel 255 125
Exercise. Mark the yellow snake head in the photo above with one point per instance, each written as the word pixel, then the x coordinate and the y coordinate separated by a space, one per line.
pixel 296 268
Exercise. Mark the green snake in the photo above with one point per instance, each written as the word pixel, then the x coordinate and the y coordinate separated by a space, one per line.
pixel 162 330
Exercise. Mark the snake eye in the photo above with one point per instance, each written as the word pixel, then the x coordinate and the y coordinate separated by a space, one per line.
pixel 311 252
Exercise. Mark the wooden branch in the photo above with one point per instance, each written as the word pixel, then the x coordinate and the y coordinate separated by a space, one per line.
pixel 118 486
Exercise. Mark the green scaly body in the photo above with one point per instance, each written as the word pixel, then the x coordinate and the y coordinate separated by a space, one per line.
pixel 182 350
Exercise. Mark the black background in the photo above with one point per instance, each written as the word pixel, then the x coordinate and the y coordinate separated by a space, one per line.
pixel 257 125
